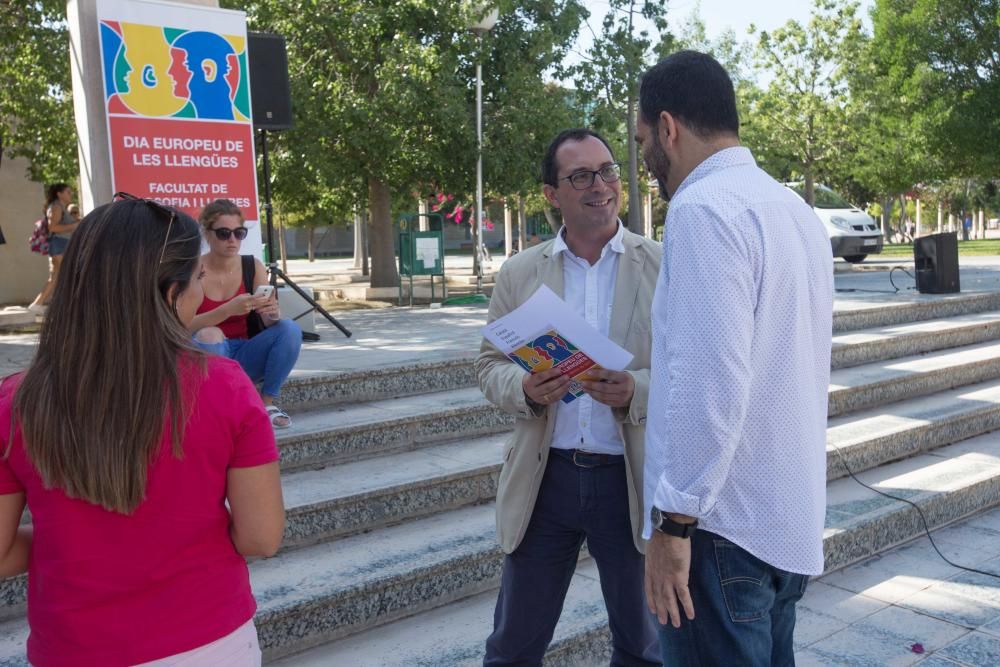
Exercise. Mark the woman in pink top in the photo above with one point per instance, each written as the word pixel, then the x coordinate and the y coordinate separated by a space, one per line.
pixel 126 442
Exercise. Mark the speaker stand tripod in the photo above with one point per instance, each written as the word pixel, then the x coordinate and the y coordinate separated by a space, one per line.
pixel 272 266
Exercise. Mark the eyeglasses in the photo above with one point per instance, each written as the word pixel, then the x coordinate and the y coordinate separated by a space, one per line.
pixel 223 233
pixel 581 180
pixel 156 206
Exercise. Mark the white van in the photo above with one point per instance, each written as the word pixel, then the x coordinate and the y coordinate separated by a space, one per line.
pixel 853 233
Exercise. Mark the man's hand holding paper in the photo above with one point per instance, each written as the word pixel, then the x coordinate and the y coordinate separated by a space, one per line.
pixel 612 388
pixel 546 387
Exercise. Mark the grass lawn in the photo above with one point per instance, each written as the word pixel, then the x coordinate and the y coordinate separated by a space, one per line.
pixel 983 247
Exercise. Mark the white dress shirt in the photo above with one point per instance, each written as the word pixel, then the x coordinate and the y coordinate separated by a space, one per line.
pixel 742 322
pixel 585 423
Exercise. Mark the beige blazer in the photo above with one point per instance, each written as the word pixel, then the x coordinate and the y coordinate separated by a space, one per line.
pixel 527 451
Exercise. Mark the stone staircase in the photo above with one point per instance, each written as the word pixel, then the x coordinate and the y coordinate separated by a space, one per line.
pixel 389 479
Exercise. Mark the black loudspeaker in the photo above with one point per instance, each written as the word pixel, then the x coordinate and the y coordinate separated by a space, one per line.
pixel 936 260
pixel 270 95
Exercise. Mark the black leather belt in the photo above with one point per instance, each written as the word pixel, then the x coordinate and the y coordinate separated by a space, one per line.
pixel 585 459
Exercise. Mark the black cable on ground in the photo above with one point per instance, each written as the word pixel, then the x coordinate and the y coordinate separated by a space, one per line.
pixel 903 269
pixel 895 288
pixel 923 519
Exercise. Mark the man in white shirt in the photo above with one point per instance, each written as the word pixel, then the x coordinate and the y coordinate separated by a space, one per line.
pixel 735 483
pixel 573 470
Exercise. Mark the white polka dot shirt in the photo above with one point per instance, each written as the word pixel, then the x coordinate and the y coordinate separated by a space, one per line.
pixel 742 321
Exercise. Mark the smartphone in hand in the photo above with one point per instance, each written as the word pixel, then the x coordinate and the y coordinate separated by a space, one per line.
pixel 264 290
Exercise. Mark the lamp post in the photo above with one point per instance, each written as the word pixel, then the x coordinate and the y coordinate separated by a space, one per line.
pixel 480 26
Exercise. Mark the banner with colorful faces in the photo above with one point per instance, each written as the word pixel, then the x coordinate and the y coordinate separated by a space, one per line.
pixel 177 98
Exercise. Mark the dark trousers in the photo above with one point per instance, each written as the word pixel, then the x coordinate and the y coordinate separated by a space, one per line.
pixel 574 503
pixel 744 610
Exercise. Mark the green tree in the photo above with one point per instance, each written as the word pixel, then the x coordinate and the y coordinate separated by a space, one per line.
pixel 522 113
pixel 941 60
pixel 608 77
pixel 36 109
pixel 799 122
pixel 376 99
pixel 384 102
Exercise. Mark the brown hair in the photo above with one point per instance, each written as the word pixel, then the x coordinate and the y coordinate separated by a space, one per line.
pixel 104 385
pixel 217 209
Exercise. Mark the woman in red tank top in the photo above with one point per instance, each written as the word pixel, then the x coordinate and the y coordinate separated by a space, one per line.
pixel 221 325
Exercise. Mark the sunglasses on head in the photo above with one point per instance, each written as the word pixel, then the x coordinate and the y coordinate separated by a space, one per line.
pixel 223 233
pixel 167 213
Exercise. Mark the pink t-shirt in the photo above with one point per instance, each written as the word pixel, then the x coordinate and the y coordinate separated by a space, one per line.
pixel 109 589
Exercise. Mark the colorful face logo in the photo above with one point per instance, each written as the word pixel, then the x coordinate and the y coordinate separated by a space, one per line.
pixel 233 75
pixel 179 72
pixel 156 71
pixel 149 88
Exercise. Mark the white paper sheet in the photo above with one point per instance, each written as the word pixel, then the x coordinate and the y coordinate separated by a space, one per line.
pixel 545 311
pixel 427 251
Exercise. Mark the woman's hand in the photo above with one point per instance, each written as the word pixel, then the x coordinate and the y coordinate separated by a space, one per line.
pixel 267 308
pixel 241 304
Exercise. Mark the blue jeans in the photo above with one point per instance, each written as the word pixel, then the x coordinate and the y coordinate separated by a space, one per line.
pixel 267 358
pixel 744 610
pixel 574 503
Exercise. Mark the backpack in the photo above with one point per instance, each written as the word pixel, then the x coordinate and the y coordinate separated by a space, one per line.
pixel 248 268
pixel 39 239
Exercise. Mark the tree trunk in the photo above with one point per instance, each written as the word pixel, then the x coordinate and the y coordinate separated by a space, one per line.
pixel 522 224
pixel 281 245
pixel 902 218
pixel 364 242
pixel 810 187
pixel 358 240
pixel 887 218
pixel 382 248
pixel 634 222
pixel 312 243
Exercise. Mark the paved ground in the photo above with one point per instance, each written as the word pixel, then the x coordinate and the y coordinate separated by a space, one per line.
pixel 908 605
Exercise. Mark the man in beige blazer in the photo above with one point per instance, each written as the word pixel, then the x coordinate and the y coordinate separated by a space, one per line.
pixel 573 470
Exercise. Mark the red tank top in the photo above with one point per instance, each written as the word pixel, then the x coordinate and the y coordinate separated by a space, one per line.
pixel 235 326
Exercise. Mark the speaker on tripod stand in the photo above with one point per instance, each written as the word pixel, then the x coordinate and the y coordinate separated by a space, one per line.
pixel 271 108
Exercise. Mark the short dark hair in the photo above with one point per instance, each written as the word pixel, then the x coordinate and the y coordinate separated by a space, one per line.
pixel 694 88
pixel 550 170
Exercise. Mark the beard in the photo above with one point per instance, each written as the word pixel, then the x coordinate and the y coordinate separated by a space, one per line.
pixel 658 165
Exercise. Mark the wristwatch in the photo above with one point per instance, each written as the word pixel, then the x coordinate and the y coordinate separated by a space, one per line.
pixel 665 524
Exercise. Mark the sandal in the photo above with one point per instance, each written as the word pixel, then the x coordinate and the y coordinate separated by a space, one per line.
pixel 277 414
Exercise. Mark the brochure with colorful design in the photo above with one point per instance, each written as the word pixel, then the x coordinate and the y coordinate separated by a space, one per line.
pixel 551 350
pixel 544 332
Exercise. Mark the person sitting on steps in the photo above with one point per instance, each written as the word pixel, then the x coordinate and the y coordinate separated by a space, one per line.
pixel 230 315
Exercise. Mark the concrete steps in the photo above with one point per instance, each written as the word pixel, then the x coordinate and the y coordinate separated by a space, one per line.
pixel 881 382
pixel 877 331
pixel 368 494
pixel 581 637
pixel 324 436
pixel 947 485
pixel 889 342
pixel 344 433
pixel 389 478
pixel 326 389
